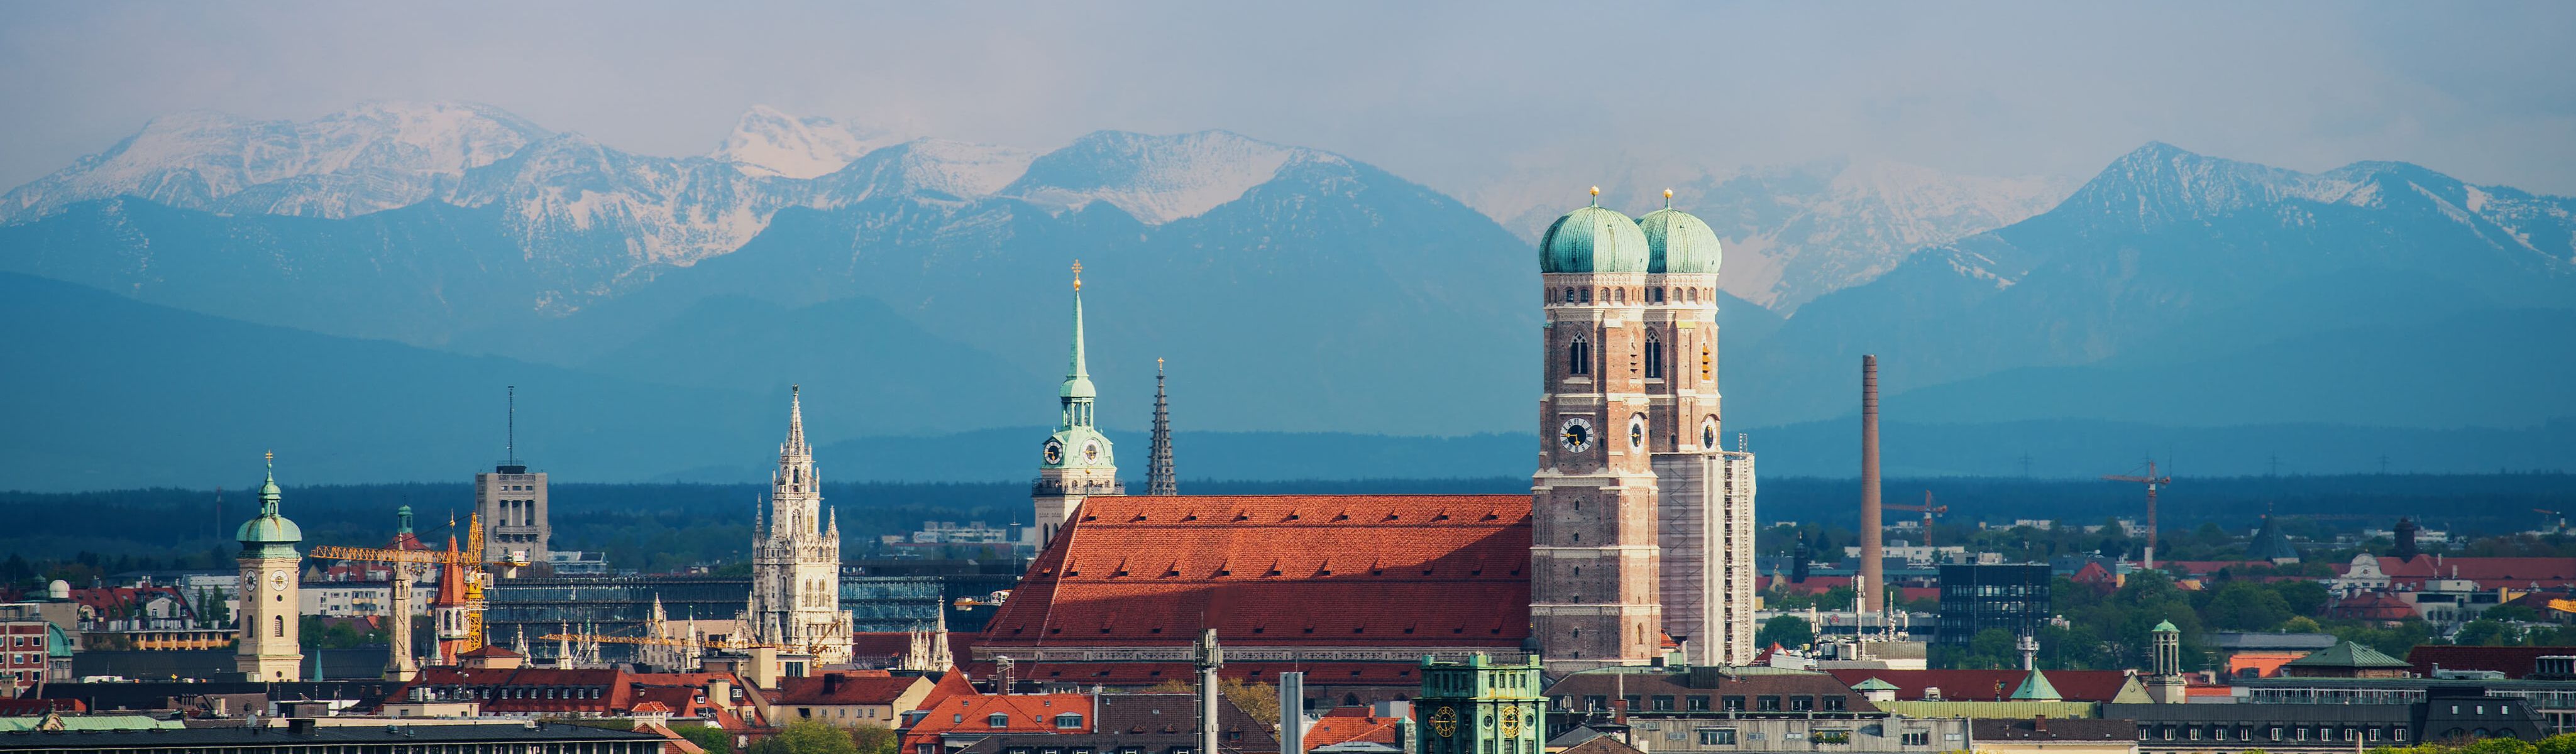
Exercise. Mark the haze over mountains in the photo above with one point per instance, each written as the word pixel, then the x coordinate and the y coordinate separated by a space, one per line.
pixel 656 308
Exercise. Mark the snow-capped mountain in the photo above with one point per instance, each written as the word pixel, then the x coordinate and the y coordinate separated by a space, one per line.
pixel 1155 179
pixel 936 167
pixel 1796 232
pixel 376 156
pixel 2168 253
pixel 766 142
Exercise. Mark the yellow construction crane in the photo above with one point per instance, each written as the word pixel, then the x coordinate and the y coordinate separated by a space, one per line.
pixel 476 578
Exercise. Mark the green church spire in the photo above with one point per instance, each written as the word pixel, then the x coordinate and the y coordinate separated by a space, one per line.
pixel 270 534
pixel 1076 443
pixel 1077 375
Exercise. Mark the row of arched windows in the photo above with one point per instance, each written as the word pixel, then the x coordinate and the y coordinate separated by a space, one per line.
pixel 1575 295
pixel 1578 357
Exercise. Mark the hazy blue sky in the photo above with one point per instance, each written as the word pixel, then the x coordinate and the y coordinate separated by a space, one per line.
pixel 1447 94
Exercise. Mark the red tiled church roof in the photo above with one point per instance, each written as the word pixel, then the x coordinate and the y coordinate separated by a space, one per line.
pixel 1357 571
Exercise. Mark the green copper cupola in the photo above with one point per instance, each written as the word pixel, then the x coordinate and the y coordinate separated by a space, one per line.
pixel 270 534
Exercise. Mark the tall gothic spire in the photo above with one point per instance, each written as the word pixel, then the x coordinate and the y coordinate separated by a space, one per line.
pixel 1159 478
pixel 795 420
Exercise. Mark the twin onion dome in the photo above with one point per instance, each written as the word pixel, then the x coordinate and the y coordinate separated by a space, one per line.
pixel 1599 239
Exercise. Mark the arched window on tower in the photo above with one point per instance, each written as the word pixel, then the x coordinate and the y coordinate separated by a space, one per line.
pixel 1569 294
pixel 277 626
pixel 1587 295
pixel 1654 355
pixel 1578 356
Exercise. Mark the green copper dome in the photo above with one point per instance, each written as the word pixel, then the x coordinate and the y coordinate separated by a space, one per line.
pixel 2165 627
pixel 1592 239
pixel 270 533
pixel 1677 242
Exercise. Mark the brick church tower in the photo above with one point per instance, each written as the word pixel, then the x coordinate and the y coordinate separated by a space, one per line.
pixel 1594 565
pixel 1642 523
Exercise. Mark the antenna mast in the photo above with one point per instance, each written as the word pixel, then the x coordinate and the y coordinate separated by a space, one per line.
pixel 511 444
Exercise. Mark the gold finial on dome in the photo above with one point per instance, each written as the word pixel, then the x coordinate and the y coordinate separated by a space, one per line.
pixel 1077 274
pixel 1668 198
pixel 1596 196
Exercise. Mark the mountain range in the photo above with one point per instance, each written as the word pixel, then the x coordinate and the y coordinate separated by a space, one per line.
pixel 919 288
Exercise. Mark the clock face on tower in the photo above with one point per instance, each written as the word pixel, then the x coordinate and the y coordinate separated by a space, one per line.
pixel 1637 431
pixel 1054 452
pixel 1576 435
pixel 277 580
pixel 1091 451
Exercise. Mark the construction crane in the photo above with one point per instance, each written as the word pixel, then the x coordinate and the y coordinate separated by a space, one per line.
pixel 1928 510
pixel 2549 517
pixel 2152 481
pixel 411 562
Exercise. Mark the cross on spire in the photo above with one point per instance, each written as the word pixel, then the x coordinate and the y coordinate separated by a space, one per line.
pixel 1077 274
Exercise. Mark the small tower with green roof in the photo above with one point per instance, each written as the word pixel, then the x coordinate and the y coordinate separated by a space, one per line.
pixel 2165 683
pixel 1076 461
pixel 1480 706
pixel 271 644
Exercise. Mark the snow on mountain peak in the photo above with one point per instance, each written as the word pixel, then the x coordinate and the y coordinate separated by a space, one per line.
pixel 1156 179
pixel 768 142
pixel 374 156
pixel 936 166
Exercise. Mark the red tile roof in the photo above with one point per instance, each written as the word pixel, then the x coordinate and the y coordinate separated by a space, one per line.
pixel 1134 674
pixel 1347 724
pixel 2490 573
pixel 2513 662
pixel 880 645
pixel 1981 685
pixel 2371 606
pixel 1023 713
pixel 846 688
pixel 950 684
pixel 1358 571
pixel 526 690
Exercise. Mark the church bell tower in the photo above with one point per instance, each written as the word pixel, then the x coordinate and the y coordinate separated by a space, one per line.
pixel 1594 587
pixel 1075 462
pixel 271 645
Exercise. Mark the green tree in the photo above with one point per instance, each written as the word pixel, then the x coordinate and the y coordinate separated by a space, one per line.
pixel 2511 613
pixel 2245 606
pixel 2302 625
pixel 2563 743
pixel 2303 597
pixel 873 740
pixel 1788 631
pixel 807 737
pixel 711 738
pixel 2486 633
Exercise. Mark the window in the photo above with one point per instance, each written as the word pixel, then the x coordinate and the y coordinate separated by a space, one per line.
pixel 1734 704
pixel 1704 362
pixel 1802 704
pixel 277 626
pixel 1766 704
pixel 1596 701
pixel 1916 738
pixel 998 720
pixel 1698 703
pixel 1578 356
pixel 1569 295
pixel 1717 737
pixel 1663 703
pixel 1834 703
pixel 1635 702
pixel 1654 356
pixel 1069 720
